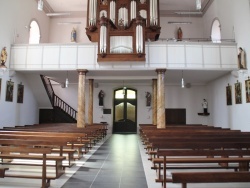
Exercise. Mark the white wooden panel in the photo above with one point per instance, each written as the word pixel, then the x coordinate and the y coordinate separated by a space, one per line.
pixel 195 66
pixel 139 65
pixel 51 56
pixel 194 55
pixel 211 55
pixel 158 66
pixel 229 56
pixel 176 55
pixel 157 54
pixel 34 57
pixel 68 57
pixel 212 66
pixel 87 56
pixel 18 57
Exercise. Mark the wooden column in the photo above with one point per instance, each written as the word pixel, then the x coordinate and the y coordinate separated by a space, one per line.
pixel 154 106
pixel 81 98
pixel 161 120
pixel 90 111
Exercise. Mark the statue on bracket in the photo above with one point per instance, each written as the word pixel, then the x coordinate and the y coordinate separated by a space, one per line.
pixel 3 56
pixel 148 99
pixel 179 34
pixel 101 97
pixel 241 59
pixel 73 35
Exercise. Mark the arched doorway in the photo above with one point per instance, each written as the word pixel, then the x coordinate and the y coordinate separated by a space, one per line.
pixel 34 33
pixel 125 111
pixel 216 31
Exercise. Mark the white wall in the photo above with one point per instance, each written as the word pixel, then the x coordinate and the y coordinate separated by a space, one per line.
pixel 193 30
pixel 15 15
pixel 175 96
pixel 61 33
pixel 232 14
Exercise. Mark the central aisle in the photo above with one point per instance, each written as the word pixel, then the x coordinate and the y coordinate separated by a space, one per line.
pixel 116 164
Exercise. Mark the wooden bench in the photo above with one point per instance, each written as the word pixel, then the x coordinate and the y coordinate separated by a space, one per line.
pixel 2 172
pixel 241 157
pixel 209 177
pixel 53 137
pixel 75 141
pixel 41 154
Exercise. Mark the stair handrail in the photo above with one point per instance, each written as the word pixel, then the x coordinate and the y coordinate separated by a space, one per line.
pixel 48 88
pixel 55 100
pixel 58 102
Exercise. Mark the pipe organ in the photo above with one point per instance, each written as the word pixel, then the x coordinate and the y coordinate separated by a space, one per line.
pixel 121 27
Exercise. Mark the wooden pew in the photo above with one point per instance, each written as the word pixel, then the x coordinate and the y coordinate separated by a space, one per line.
pixel 50 137
pixel 195 149
pixel 209 177
pixel 78 140
pixel 6 153
pixel 2 172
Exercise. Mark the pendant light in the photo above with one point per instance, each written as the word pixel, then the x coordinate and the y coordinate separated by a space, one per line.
pixel 67 81
pixel 182 81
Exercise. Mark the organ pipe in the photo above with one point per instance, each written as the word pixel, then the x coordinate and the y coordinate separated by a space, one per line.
pixel 103 39
pixel 112 11
pixel 133 10
pixel 153 12
pixel 139 39
pixel 92 12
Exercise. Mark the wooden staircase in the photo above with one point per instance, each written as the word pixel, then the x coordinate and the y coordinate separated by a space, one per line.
pixel 61 112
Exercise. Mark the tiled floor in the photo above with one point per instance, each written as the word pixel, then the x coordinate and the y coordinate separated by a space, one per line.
pixel 117 162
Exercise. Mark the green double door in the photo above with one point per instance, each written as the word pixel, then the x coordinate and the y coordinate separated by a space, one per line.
pixel 125 108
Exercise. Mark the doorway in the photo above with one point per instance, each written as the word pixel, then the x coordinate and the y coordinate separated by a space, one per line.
pixel 125 111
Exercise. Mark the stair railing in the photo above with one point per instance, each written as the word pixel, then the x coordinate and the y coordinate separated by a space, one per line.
pixel 57 101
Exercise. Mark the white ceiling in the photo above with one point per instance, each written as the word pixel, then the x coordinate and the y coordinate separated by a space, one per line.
pixel 172 77
pixel 167 8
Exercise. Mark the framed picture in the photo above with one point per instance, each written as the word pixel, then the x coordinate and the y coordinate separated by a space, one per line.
pixel 247 85
pixel 229 94
pixel 9 91
pixel 238 95
pixel 20 90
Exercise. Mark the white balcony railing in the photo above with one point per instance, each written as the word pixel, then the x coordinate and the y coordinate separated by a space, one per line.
pixel 161 54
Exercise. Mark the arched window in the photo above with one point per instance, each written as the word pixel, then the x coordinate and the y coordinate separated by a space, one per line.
pixel 34 33
pixel 216 32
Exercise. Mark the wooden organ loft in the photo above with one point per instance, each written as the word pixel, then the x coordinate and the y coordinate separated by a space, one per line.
pixel 121 28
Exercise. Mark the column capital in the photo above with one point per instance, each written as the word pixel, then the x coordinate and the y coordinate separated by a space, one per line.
pixel 160 71
pixel 82 71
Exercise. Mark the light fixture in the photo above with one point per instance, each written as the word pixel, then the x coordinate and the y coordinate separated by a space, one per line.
pixel 190 13
pixel 67 81
pixel 179 23
pixel 58 14
pixel 66 23
pixel 198 4
pixel 124 89
pixel 182 80
pixel 40 5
